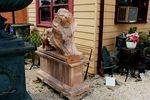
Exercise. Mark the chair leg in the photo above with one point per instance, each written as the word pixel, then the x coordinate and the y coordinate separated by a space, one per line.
pixel 112 72
pixel 127 74
pixel 33 62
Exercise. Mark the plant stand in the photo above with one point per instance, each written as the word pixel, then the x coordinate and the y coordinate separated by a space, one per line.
pixel 64 74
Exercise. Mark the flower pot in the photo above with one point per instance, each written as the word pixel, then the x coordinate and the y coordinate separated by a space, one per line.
pixel 131 45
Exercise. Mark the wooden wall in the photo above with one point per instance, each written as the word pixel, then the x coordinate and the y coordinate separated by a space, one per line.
pixel 32 15
pixel 111 30
pixel 85 12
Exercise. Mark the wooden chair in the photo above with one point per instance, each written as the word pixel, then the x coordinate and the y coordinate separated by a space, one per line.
pixel 35 60
pixel 108 61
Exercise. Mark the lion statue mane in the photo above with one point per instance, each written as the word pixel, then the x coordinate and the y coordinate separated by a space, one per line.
pixel 61 36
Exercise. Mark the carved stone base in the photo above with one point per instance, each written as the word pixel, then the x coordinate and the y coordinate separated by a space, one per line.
pixel 64 74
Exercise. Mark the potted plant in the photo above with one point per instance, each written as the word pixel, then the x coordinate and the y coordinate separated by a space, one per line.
pixel 132 30
pixel 35 39
pixel 132 39
pixel 143 37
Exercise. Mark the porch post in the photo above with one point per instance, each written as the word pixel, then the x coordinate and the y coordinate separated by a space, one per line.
pixel 101 24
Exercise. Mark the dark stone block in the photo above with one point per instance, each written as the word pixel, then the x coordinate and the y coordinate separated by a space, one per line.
pixel 12 73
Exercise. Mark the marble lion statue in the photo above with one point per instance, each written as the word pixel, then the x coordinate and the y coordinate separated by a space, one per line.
pixel 61 36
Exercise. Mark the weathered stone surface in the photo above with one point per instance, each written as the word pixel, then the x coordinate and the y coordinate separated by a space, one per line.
pixel 61 64
pixel 61 36
pixel 63 73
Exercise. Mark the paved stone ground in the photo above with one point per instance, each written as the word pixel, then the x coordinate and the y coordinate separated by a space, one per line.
pixel 129 90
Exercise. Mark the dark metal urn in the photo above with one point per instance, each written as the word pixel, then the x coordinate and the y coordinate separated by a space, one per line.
pixel 12 50
pixel 13 5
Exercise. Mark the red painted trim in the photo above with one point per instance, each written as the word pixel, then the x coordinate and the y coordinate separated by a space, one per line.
pixel 48 23
pixel 70 4
pixel 44 25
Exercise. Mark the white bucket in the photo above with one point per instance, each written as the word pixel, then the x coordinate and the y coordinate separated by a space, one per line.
pixel 131 45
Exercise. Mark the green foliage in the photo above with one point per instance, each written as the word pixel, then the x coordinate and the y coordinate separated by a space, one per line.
pixel 132 30
pixel 25 38
pixel 149 39
pixel 34 37
pixel 143 37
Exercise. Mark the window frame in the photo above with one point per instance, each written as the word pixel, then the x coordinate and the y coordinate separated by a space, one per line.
pixel 48 24
pixel 130 5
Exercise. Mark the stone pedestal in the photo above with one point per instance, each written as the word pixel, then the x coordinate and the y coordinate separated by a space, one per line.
pixel 12 73
pixel 64 74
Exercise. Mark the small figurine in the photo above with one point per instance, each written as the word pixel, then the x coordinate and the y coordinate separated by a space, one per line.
pixel 3 33
pixel 2 22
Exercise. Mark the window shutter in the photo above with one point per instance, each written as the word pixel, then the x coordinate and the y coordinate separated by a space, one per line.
pixel 148 14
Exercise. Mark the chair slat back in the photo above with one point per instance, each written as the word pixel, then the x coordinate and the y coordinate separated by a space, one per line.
pixel 106 57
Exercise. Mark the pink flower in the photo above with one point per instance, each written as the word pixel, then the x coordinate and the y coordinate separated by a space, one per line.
pixel 133 37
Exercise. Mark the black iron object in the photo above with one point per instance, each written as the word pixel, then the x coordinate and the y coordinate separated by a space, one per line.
pixel 88 64
pixel 146 56
pixel 121 41
pixel 35 60
pixel 12 75
pixel 128 60
pixel 3 33
pixel 21 30
pixel 12 50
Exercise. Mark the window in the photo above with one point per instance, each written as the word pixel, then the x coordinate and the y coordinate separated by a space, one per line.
pixel 131 11
pixel 46 10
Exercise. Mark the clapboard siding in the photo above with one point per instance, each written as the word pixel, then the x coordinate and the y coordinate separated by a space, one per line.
pixel 84 2
pixel 85 17
pixel 32 13
pixel 84 35
pixel 86 13
pixel 84 7
pixel 85 22
pixel 111 30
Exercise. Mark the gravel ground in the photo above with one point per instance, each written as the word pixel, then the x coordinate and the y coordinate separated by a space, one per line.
pixel 130 90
